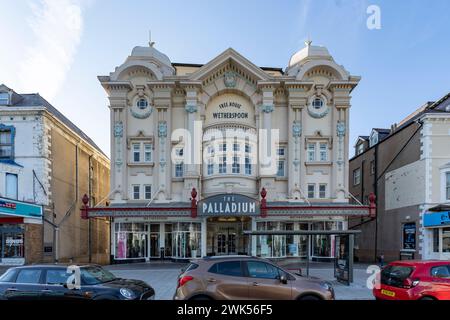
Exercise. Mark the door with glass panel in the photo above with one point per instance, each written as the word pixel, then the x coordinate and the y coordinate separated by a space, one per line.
pixel 154 240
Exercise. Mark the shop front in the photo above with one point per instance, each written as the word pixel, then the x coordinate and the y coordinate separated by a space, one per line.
pixel 20 230
pixel 217 225
pixel 437 224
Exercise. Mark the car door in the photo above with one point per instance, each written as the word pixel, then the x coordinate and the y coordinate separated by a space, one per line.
pixel 226 280
pixel 27 285
pixel 440 280
pixel 55 286
pixel 264 282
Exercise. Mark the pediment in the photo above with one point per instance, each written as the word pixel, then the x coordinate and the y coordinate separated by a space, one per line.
pixel 229 60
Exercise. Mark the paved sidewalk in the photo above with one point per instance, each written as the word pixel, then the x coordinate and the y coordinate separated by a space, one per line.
pixel 163 278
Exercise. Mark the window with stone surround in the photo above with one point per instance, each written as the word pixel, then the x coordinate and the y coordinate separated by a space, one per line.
pixel 6 143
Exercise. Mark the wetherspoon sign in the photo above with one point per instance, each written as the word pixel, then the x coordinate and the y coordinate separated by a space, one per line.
pixel 228 205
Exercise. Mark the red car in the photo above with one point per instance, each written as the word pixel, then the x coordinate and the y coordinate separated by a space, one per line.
pixel 414 280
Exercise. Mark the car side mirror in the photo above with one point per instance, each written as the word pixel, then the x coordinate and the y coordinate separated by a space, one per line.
pixel 283 279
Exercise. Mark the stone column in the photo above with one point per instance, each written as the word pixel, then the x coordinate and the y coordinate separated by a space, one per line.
pixel 267 170
pixel 162 173
pixel 297 170
pixel 119 155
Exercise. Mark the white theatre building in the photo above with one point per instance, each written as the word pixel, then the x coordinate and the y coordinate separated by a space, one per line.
pixel 189 171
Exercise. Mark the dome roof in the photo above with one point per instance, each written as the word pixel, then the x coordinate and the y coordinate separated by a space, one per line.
pixel 308 53
pixel 151 52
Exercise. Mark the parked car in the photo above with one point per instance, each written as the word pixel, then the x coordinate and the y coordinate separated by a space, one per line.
pixel 414 280
pixel 244 277
pixel 55 282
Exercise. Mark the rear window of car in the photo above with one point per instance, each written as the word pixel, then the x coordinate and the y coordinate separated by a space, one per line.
pixel 441 272
pixel 191 266
pixel 227 268
pixel 395 275
pixel 31 276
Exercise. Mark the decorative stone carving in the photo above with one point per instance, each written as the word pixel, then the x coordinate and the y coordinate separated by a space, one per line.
pixel 229 79
pixel 190 108
pixel 118 129
pixel 162 129
pixel 318 114
pixel 296 129
pixel 267 108
pixel 144 115
pixel 340 128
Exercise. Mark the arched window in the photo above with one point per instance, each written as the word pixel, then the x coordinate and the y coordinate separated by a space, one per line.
pixel 142 103
pixel 317 103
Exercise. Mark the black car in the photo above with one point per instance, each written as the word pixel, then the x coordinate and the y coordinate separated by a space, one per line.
pixel 55 282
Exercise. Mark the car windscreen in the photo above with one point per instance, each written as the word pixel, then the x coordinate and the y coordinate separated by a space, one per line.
pixel 96 275
pixel 395 275
pixel 8 276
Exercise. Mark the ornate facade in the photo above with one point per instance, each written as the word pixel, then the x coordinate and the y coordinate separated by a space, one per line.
pixel 188 153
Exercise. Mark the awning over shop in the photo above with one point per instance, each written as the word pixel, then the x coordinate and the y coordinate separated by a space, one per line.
pixel 436 219
pixel 20 209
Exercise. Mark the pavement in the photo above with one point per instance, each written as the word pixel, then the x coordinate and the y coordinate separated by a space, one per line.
pixel 162 276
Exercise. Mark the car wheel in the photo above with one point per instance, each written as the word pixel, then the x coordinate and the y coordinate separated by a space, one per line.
pixel 427 298
pixel 200 298
pixel 310 298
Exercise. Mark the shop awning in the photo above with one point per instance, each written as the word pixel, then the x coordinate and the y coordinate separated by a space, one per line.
pixel 14 208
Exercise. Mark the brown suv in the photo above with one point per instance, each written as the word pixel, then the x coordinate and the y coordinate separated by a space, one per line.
pixel 244 277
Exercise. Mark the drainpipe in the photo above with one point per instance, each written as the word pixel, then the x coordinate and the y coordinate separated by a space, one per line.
pixel 375 190
pixel 89 220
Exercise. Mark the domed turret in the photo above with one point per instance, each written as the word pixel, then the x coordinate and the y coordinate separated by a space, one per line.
pixel 312 56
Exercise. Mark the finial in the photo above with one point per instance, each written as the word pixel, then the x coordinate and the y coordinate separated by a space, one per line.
pixel 308 42
pixel 150 42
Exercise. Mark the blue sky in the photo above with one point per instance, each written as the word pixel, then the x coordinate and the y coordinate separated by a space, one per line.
pixel 58 47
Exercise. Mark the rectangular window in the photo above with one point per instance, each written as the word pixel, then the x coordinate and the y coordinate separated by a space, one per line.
pixel 436 239
pixel 236 147
pixel 210 167
pixel 136 192
pixel 222 147
pixel 210 150
pixel 280 152
pixel 311 191
pixel 447 186
pixel 247 148
pixel 148 192
pixel 322 191
pixel 372 167
pixel 446 240
pixel 147 152
pixel 223 165
pixel 6 144
pixel 360 149
pixel 136 152
pixel 11 186
pixel 4 99
pixel 248 166
pixel 324 152
pixel 356 177
pixel 311 152
pixel 280 168
pixel 179 169
pixel 236 166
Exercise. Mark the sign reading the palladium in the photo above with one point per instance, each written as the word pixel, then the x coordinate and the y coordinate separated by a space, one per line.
pixel 228 204
pixel 202 153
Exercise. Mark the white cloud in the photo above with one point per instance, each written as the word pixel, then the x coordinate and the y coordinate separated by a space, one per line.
pixel 57 27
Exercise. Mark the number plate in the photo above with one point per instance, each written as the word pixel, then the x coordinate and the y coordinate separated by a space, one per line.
pixel 388 293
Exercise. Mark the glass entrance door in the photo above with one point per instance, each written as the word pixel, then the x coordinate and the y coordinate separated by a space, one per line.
pixel 226 243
